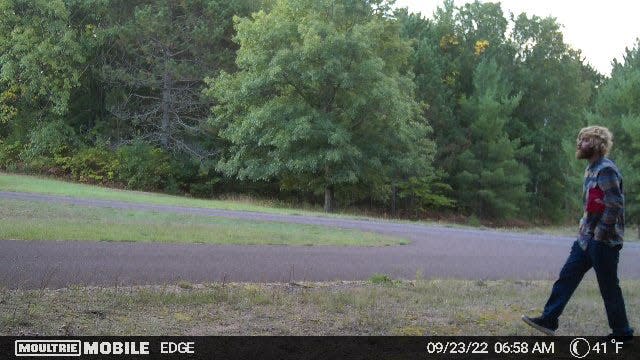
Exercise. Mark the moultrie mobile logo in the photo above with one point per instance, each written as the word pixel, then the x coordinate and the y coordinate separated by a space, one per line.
pixel 47 348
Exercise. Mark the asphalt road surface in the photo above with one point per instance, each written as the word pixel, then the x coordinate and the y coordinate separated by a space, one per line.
pixel 434 252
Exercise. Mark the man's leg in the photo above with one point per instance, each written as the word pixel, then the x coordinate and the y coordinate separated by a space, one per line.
pixel 570 276
pixel 605 263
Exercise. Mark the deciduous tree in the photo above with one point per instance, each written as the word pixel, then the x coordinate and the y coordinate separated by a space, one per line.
pixel 322 99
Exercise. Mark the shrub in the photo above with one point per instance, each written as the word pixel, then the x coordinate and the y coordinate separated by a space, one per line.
pixel 184 172
pixel 142 166
pixel 380 279
pixel 473 220
pixel 10 154
pixel 48 146
pixel 205 182
pixel 204 189
pixel 91 165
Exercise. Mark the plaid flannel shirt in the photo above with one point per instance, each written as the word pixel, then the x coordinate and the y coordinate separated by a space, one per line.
pixel 603 218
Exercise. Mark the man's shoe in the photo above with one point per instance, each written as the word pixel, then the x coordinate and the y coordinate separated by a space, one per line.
pixel 541 324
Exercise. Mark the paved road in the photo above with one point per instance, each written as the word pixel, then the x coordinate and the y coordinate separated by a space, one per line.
pixel 435 252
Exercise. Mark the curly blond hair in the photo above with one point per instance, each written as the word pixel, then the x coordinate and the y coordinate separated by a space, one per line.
pixel 601 138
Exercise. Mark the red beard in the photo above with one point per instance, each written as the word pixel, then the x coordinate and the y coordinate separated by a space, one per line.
pixel 585 154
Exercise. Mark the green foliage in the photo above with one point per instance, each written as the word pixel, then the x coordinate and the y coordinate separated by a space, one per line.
pixel 204 189
pixel 500 155
pixel 429 191
pixel 154 71
pixel 488 169
pixel 466 110
pixel 434 68
pixel 383 279
pixel 629 161
pixel 48 146
pixel 94 165
pixel 143 166
pixel 10 154
pixel 556 89
pixel 41 56
pixel 474 221
pixel 618 107
pixel 8 103
pixel 321 99
pixel 198 179
pixel 190 176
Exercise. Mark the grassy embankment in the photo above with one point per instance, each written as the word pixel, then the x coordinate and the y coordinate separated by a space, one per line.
pixel 378 307
pixel 32 220
pixel 39 185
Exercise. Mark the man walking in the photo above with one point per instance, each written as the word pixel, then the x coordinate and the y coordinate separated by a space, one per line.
pixel 600 238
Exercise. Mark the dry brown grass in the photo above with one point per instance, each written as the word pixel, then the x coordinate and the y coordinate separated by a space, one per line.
pixel 431 307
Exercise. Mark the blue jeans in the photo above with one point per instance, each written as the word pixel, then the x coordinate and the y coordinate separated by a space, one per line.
pixel 604 260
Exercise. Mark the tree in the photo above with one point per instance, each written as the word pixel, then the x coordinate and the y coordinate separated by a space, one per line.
pixel 160 54
pixel 46 53
pixel 618 107
pixel 43 52
pixel 434 63
pixel 488 169
pixel 556 89
pixel 447 52
pixel 321 99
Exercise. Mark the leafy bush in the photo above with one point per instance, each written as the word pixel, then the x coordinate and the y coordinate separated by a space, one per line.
pixel 143 167
pixel 430 191
pixel 184 172
pixel 10 154
pixel 473 220
pixel 48 146
pixel 204 181
pixel 92 165
pixel 205 189
pixel 380 279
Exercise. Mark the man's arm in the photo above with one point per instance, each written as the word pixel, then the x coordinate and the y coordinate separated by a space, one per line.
pixel 609 183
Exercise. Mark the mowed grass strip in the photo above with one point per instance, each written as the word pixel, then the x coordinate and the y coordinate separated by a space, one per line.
pixel 420 307
pixel 27 220
pixel 39 185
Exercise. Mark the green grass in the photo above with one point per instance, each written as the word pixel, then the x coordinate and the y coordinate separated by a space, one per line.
pixel 33 184
pixel 420 307
pixel 380 279
pixel 39 185
pixel 26 220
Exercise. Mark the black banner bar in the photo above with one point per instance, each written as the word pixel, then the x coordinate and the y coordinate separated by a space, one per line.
pixel 317 347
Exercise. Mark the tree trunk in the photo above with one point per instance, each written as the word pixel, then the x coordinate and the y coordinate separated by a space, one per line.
pixel 167 85
pixel 166 107
pixel 328 199
pixel 394 197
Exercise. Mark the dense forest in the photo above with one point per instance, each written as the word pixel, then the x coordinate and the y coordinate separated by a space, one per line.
pixel 343 103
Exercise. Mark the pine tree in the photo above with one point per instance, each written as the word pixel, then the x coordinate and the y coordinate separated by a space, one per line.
pixel 618 107
pixel 159 53
pixel 488 170
pixel 556 89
